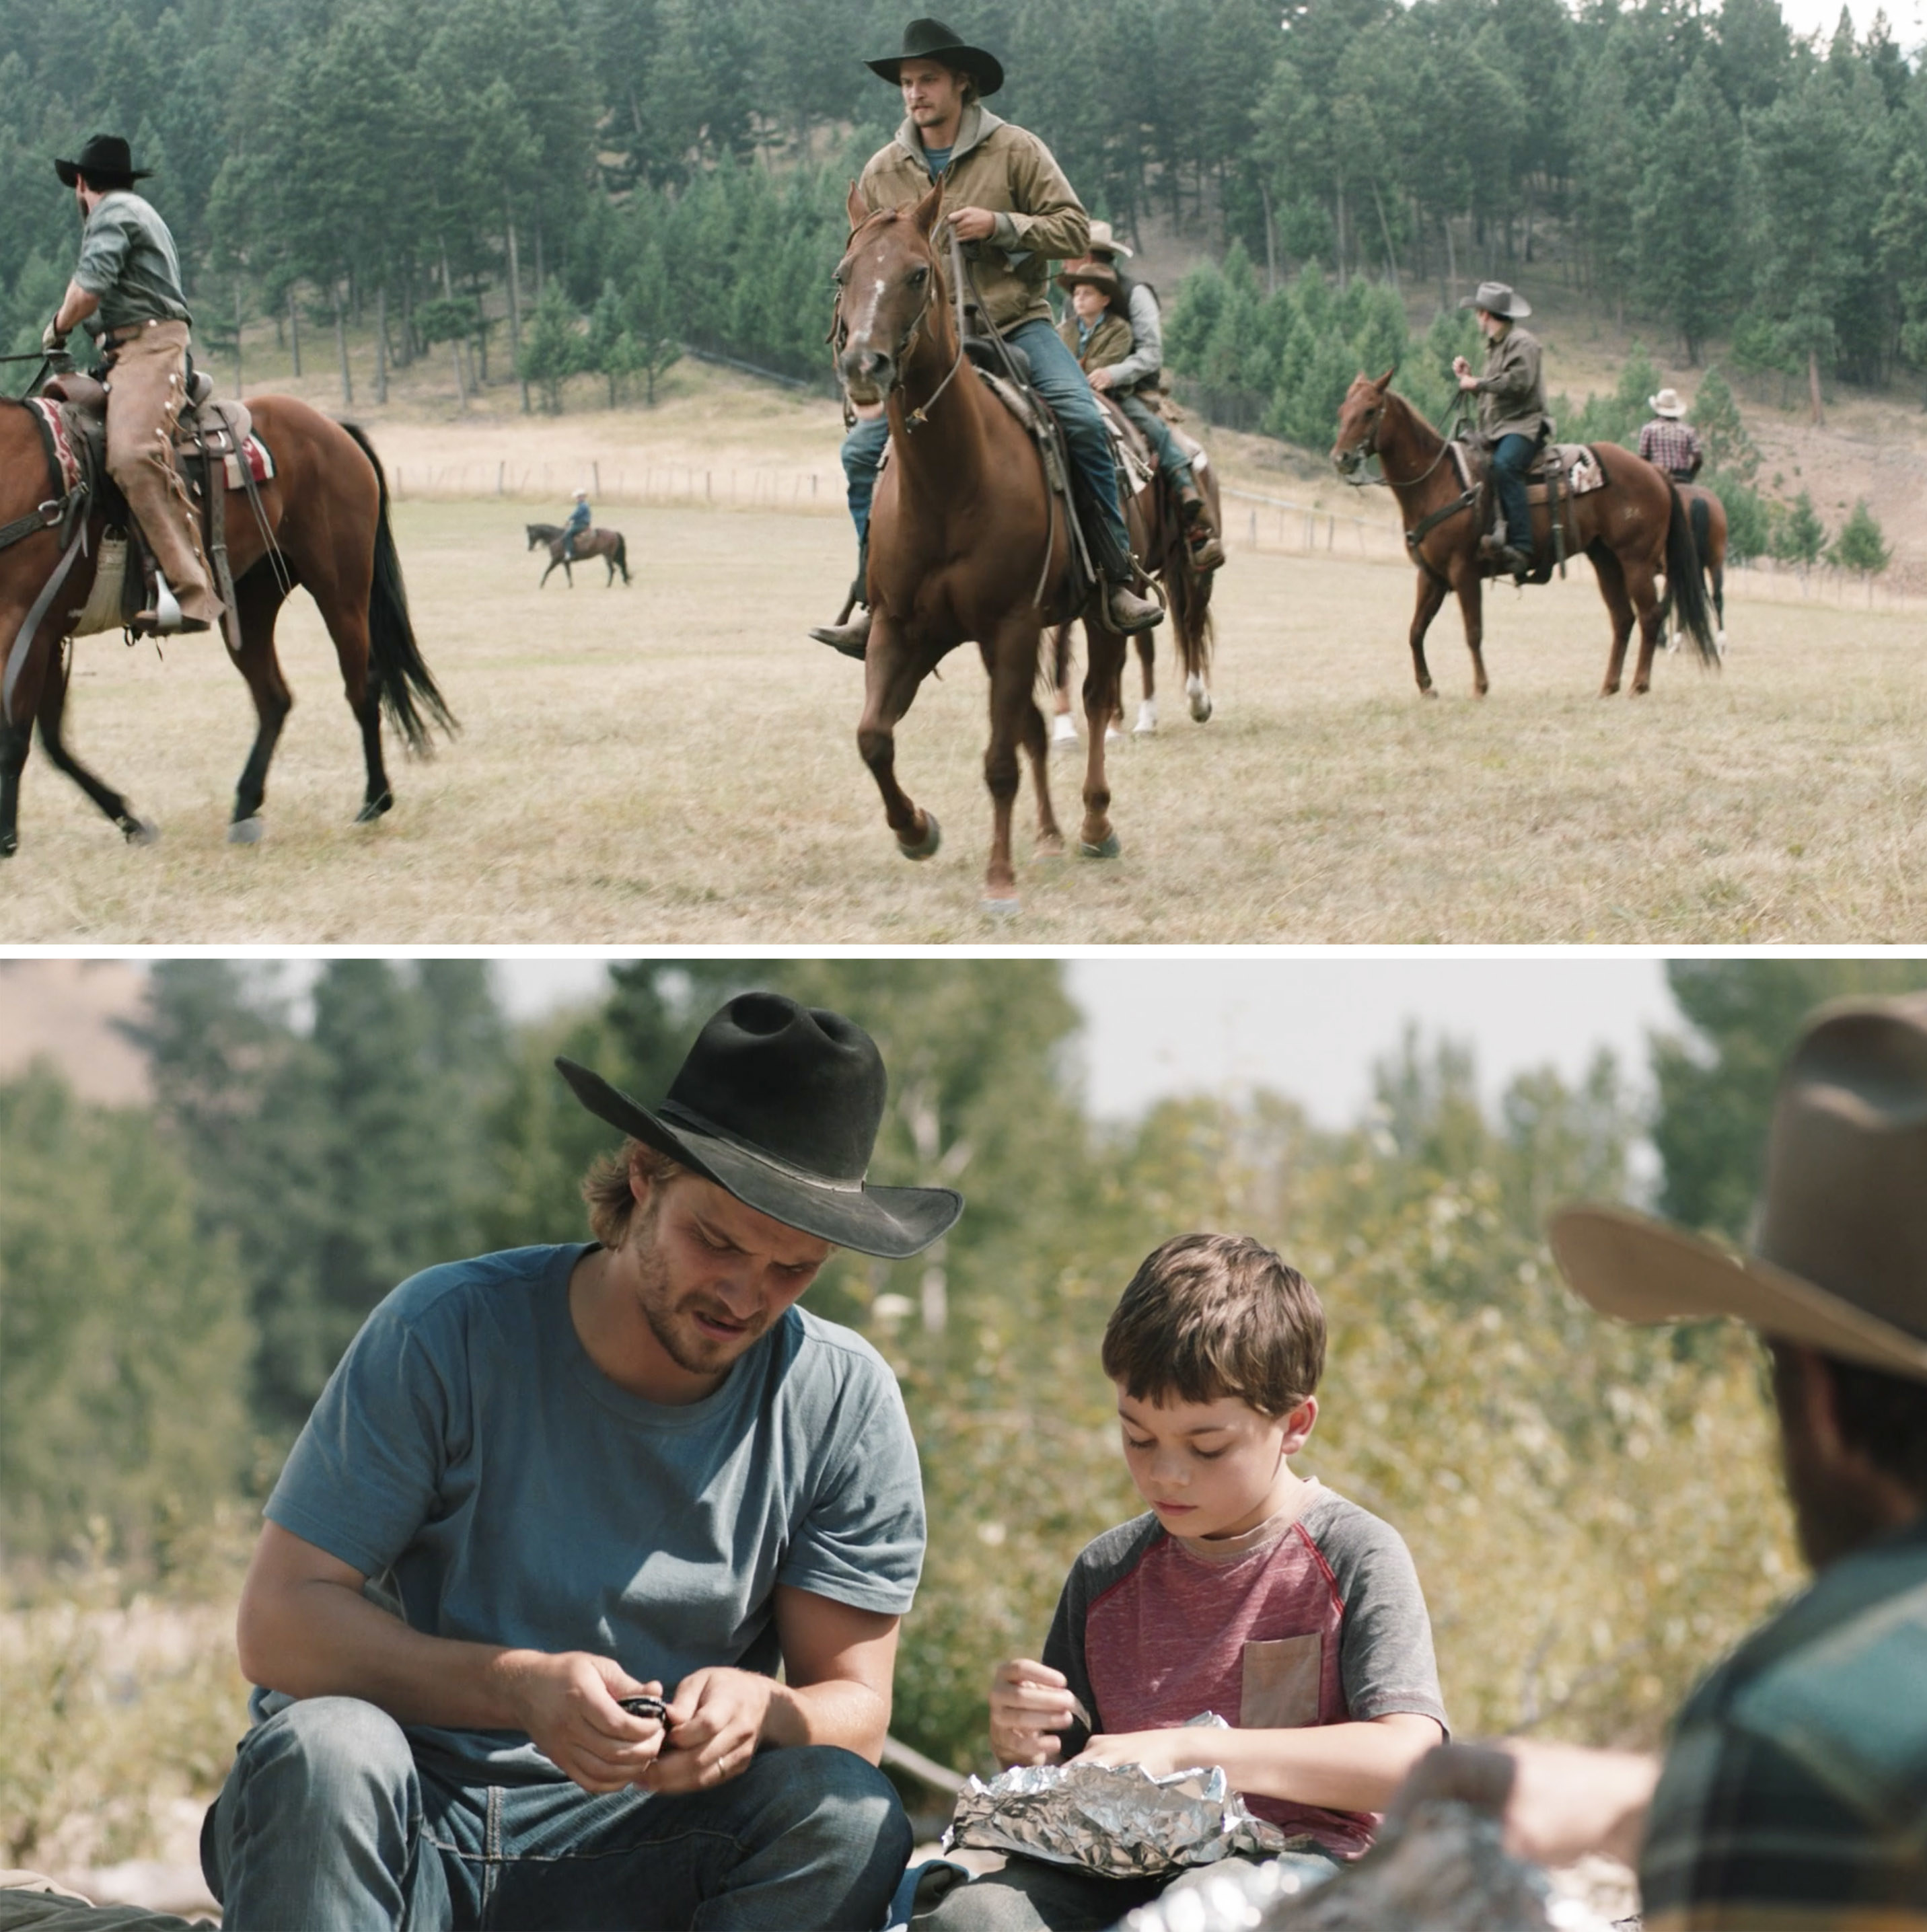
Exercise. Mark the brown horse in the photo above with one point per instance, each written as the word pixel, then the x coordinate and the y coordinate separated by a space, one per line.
pixel 326 509
pixel 1187 596
pixel 1707 515
pixel 966 542
pixel 609 545
pixel 1632 528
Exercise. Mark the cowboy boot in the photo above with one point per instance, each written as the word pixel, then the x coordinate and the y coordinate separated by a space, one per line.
pixel 1201 534
pixel 1124 610
pixel 851 634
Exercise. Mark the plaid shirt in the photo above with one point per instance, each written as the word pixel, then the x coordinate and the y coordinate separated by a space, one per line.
pixel 1794 1797
pixel 1669 445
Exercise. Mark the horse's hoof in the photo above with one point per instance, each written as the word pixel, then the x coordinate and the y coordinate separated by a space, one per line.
pixel 246 831
pixel 1001 908
pixel 1050 845
pixel 1108 847
pixel 933 838
pixel 374 807
pixel 140 832
pixel 1427 691
pixel 9 845
pixel 1201 707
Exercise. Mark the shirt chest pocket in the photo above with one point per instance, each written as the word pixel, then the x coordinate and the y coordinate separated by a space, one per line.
pixel 1281 1682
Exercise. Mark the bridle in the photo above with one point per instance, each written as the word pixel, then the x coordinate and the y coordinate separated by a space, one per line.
pixel 1366 450
pixel 914 419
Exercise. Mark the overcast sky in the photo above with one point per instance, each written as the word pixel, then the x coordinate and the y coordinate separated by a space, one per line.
pixel 1310 1026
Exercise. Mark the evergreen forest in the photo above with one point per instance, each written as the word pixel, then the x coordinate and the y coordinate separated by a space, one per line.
pixel 523 188
pixel 1594 1509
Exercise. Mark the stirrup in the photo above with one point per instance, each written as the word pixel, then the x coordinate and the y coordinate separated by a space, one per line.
pixel 165 618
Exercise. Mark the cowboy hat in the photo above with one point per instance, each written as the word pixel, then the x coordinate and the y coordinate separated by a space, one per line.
pixel 1099 274
pixel 931 39
pixel 779 1105
pixel 1666 403
pixel 1496 298
pixel 105 157
pixel 1839 1254
pixel 1104 240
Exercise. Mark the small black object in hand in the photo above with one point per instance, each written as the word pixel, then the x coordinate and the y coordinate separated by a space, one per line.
pixel 644 1706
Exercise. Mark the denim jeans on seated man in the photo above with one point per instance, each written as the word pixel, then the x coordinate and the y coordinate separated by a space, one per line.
pixel 1511 463
pixel 1166 451
pixel 330 1819
pixel 1062 384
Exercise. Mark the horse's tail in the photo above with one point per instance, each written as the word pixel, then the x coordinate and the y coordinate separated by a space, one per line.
pixel 400 675
pixel 1702 520
pixel 1685 590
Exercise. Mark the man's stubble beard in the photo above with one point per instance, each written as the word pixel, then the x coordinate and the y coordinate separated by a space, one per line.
pixel 695 1354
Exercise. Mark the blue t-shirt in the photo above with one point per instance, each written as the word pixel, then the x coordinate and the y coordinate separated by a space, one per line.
pixel 494 1486
pixel 937 159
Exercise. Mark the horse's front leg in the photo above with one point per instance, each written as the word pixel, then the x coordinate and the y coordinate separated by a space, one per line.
pixel 1103 687
pixel 551 571
pixel 1431 595
pixel 1147 712
pixel 892 671
pixel 1471 590
pixel 1011 658
pixel 1036 746
pixel 136 831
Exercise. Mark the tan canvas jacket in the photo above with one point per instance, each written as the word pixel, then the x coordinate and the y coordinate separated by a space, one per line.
pixel 1511 393
pixel 1009 171
pixel 1110 341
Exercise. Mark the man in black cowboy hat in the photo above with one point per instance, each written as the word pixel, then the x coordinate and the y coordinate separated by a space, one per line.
pixel 559 1515
pixel 1512 412
pixel 126 289
pixel 1793 1794
pixel 1008 203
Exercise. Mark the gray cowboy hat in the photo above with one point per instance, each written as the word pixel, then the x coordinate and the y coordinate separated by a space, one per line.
pixel 779 1105
pixel 1496 298
pixel 931 39
pixel 1839 1254
pixel 105 157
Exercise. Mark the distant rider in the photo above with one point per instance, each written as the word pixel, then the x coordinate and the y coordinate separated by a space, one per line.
pixel 1007 202
pixel 127 289
pixel 579 524
pixel 1669 444
pixel 1132 381
pixel 1511 413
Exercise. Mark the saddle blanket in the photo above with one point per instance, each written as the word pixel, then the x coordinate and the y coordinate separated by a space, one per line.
pixel 65 440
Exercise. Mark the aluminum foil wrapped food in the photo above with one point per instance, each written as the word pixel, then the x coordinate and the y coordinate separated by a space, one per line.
pixel 1116 1820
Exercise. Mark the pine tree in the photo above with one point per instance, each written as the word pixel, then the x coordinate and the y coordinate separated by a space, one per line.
pixel 1859 546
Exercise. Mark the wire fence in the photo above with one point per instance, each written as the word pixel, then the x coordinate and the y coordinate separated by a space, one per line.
pixel 1254 520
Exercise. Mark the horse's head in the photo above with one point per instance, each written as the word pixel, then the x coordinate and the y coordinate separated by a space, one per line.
pixel 886 284
pixel 535 531
pixel 1360 418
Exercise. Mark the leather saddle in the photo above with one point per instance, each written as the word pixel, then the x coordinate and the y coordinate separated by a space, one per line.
pixel 1560 472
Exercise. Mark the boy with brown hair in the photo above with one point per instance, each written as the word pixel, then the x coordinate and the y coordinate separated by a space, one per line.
pixel 1247 1590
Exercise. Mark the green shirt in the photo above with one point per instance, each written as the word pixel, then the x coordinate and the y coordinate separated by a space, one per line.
pixel 128 260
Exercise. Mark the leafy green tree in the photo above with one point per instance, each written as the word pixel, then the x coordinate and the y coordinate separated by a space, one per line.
pixel 1715 1080
pixel 1859 546
pixel 1749 522
pixel 1798 535
pixel 1729 450
pixel 554 349
pixel 1685 219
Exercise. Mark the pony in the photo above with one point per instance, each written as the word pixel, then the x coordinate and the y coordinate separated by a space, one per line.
pixel 611 546
pixel 323 524
pixel 1632 529
pixel 967 542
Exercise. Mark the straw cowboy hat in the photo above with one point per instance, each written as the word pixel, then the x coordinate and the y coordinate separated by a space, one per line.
pixel 931 39
pixel 1100 275
pixel 1103 241
pixel 1839 1255
pixel 105 157
pixel 1666 403
pixel 779 1105
pixel 1496 298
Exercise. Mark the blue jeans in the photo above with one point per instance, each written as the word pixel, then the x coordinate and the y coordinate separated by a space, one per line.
pixel 328 1820
pixel 1511 461
pixel 1164 449
pixel 1062 384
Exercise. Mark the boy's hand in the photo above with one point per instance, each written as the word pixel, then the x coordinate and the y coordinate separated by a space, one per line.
pixel 1157 1753
pixel 1030 1703
pixel 569 1710
pixel 715 1722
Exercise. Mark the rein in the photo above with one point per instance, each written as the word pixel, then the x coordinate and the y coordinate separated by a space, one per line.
pixel 917 417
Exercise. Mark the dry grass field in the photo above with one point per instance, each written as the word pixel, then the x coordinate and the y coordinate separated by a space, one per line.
pixel 675 764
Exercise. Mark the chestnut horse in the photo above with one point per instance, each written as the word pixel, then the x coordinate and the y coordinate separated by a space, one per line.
pixel 966 543
pixel 1632 528
pixel 327 510
pixel 609 545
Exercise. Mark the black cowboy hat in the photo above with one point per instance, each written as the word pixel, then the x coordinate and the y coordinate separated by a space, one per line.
pixel 779 1105
pixel 105 157
pixel 931 39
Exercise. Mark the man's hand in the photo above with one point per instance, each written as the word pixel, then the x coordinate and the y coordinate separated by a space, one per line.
pixel 716 1722
pixel 973 224
pixel 53 338
pixel 1100 379
pixel 1461 367
pixel 1566 1801
pixel 568 1709
pixel 1159 1752
pixel 1030 1703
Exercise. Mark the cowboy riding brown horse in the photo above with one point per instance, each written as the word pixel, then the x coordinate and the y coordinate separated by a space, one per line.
pixel 322 523
pixel 609 545
pixel 967 542
pixel 1633 527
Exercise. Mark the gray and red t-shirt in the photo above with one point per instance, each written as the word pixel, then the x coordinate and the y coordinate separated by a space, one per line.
pixel 1315 1618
